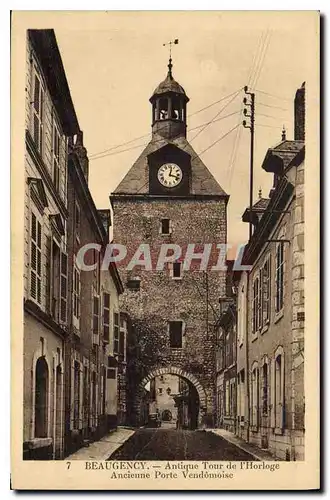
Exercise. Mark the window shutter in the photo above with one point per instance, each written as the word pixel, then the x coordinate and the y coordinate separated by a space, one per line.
pixel 63 288
pixel 48 244
pixel 272 393
pixel 282 402
pixel 115 332
pixel 257 398
pixel 96 315
pixel 106 316
pixel 122 342
pixel 35 259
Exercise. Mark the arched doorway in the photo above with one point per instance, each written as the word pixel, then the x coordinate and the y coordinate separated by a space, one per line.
pixel 171 391
pixel 41 398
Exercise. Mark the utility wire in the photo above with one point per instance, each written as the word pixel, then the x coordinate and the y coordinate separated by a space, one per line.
pixel 161 140
pixel 234 156
pixel 254 61
pixel 268 116
pixel 262 58
pixel 146 135
pixel 272 95
pixel 268 126
pixel 271 106
pixel 215 142
pixel 216 116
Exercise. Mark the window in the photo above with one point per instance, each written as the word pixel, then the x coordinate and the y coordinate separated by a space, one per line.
pixel 56 156
pixel 77 222
pixel 122 338
pixel 256 315
pixel 241 396
pixel 63 288
pixel 175 328
pixel 94 410
pixel 279 267
pixel 177 270
pixel 76 297
pixel 160 390
pixel 96 314
pixel 41 399
pixel 37 113
pixel 115 333
pixel 255 396
pixel 86 392
pixel 227 397
pixel 265 389
pixel 133 284
pixel 232 398
pixel 76 403
pixel 266 290
pixel 106 316
pixel 35 259
pixel 55 280
pixel 111 373
pixel 104 389
pixel 165 226
pixel 241 319
pixel 227 351
pixel 279 390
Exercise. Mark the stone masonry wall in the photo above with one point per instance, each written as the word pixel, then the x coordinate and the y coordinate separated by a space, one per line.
pixel 161 298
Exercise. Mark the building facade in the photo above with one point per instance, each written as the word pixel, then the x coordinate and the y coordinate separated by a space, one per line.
pixel 226 355
pixel 167 386
pixel 49 120
pixel 169 197
pixel 94 338
pixel 70 315
pixel 274 294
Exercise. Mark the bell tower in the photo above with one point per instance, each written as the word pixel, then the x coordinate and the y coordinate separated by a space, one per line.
pixel 169 197
pixel 169 108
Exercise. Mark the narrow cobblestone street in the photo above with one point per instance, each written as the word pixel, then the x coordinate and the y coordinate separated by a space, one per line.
pixel 168 444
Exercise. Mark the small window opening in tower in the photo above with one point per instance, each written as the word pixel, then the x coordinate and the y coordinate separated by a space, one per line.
pixel 176 110
pixel 163 105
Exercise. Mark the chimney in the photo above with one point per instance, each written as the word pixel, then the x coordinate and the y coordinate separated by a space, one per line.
pixel 81 152
pixel 299 114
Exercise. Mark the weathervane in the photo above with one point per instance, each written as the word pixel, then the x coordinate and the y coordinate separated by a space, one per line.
pixel 170 65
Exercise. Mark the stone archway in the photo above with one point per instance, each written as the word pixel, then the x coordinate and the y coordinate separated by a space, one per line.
pixel 156 372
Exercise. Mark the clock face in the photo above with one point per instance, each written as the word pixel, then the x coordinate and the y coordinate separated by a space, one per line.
pixel 170 175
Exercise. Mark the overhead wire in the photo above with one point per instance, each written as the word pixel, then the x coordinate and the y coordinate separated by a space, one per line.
pixel 161 140
pixel 146 135
pixel 281 98
pixel 262 58
pixel 252 74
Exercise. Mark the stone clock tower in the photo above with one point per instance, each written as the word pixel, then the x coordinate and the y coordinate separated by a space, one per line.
pixel 169 197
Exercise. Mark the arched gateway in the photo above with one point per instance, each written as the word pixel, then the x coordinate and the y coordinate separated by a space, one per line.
pixel 179 372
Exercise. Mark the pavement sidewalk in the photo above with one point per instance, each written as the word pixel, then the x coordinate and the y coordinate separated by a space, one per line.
pixel 101 450
pixel 257 453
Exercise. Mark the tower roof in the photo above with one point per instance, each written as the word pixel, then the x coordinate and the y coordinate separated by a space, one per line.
pixel 137 178
pixel 169 84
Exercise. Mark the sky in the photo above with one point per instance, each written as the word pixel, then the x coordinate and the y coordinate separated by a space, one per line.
pixel 115 60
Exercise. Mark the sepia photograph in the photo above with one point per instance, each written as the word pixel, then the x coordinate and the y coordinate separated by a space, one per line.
pixel 161 229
